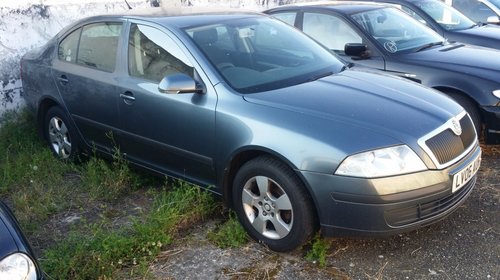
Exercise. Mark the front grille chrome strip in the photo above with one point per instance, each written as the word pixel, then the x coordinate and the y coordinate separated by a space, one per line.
pixel 448 125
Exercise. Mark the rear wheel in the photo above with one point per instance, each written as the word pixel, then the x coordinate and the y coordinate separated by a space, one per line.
pixel 470 107
pixel 60 134
pixel 273 204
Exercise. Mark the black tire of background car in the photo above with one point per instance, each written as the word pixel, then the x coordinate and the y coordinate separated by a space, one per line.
pixel 304 218
pixel 57 112
pixel 470 107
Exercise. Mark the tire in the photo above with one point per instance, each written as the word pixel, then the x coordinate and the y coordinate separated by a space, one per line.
pixel 470 107
pixel 273 205
pixel 60 135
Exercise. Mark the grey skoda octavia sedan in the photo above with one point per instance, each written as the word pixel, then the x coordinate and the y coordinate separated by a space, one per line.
pixel 285 132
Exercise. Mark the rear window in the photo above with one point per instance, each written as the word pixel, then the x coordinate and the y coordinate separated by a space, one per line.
pixel 98 46
pixel 69 46
pixel 94 45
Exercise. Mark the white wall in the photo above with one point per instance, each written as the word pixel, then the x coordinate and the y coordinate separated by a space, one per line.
pixel 26 24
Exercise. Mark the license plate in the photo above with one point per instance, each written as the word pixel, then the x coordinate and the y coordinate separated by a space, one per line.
pixel 463 176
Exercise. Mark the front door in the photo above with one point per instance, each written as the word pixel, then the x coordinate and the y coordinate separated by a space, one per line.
pixel 171 133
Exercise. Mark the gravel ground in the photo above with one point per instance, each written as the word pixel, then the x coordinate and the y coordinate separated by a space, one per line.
pixel 466 245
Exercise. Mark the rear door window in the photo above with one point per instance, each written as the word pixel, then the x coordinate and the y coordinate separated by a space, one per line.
pixel 99 45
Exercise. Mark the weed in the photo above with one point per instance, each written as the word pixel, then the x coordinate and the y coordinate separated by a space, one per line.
pixel 108 181
pixel 103 253
pixel 23 157
pixel 30 175
pixel 230 234
pixel 318 251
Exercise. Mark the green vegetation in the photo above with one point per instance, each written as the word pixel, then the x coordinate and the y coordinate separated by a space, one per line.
pixel 318 251
pixel 230 234
pixel 39 186
pixel 35 181
pixel 104 252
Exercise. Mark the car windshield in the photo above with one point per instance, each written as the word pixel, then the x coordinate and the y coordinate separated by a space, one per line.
pixel 446 16
pixel 260 54
pixel 396 31
pixel 496 3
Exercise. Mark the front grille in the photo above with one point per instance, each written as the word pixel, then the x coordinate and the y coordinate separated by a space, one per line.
pixel 446 145
pixel 408 215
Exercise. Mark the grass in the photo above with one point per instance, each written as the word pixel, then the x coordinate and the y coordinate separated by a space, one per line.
pixel 30 177
pixel 230 234
pixel 38 186
pixel 104 253
pixel 318 251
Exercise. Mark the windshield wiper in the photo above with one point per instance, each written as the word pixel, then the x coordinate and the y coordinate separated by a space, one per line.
pixel 426 46
pixel 346 66
pixel 314 78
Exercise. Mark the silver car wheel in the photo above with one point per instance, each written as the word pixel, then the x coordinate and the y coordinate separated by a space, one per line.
pixel 59 137
pixel 267 207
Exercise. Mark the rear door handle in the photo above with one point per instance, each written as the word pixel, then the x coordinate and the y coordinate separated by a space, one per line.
pixel 127 97
pixel 63 80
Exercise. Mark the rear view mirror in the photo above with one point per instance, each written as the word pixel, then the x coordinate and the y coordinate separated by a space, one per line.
pixel 493 20
pixel 355 49
pixel 178 83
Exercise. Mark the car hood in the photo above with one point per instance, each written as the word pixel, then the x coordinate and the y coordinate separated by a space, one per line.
pixel 457 57
pixel 383 104
pixel 8 244
pixel 486 36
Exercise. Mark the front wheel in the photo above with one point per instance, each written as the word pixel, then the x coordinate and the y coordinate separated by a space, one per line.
pixel 60 134
pixel 273 204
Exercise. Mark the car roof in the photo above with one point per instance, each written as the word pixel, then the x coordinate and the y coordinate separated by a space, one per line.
pixel 178 17
pixel 396 1
pixel 344 7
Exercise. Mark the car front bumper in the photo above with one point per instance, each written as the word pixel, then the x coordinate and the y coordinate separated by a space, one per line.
pixel 348 205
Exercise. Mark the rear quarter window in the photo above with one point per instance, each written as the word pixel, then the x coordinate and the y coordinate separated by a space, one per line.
pixel 69 46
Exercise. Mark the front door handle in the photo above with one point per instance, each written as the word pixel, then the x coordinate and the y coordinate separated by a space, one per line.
pixel 63 80
pixel 127 97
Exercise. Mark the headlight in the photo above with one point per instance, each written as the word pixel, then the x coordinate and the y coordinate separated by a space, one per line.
pixel 17 266
pixel 382 162
pixel 496 93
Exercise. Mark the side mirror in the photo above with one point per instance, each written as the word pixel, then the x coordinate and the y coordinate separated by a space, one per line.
pixel 355 49
pixel 178 83
pixel 493 20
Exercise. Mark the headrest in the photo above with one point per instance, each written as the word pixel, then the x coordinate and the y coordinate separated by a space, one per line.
pixel 205 37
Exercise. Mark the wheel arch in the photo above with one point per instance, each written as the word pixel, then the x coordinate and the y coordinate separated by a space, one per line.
pixel 450 90
pixel 244 155
pixel 43 107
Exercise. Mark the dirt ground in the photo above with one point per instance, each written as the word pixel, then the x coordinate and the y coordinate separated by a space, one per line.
pixel 466 245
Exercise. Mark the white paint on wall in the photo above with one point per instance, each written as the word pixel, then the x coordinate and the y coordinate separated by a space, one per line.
pixel 27 24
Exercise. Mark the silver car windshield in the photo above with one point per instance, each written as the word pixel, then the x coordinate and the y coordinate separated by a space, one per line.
pixel 446 16
pixel 260 54
pixel 396 31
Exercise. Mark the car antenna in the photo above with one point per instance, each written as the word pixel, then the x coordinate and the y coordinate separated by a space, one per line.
pixel 128 5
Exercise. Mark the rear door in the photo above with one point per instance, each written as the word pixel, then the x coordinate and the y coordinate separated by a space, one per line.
pixel 85 75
